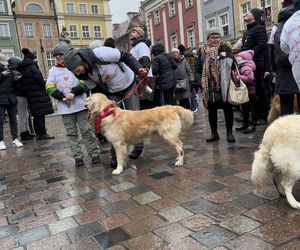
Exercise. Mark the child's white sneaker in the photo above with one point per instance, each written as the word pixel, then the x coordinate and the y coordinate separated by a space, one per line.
pixel 17 143
pixel 2 145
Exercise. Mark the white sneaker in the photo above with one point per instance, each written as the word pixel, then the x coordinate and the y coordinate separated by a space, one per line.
pixel 2 145
pixel 17 143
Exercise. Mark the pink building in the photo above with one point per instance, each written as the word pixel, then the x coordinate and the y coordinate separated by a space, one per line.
pixel 173 22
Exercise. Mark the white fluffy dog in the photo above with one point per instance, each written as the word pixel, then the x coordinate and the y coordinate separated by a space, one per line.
pixel 128 127
pixel 278 157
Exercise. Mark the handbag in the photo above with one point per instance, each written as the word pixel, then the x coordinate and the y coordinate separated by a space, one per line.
pixel 237 95
pixel 181 85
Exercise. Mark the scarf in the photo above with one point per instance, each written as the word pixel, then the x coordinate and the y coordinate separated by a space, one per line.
pixel 210 70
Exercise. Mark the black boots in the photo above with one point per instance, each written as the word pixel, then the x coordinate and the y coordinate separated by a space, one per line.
pixel 26 136
pixel 214 136
pixel 230 137
pixel 44 137
pixel 137 151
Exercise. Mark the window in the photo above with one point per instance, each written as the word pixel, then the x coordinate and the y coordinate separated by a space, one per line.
pixel 4 30
pixel 191 36
pixel 8 54
pixel 224 24
pixel 70 8
pixel 82 8
pixel 73 31
pixel 245 8
pixel 50 59
pixel 97 31
pixel 28 28
pixel 2 9
pixel 47 30
pixel 156 17
pixel 33 7
pixel 94 9
pixel 188 3
pixel 171 8
pixel 266 6
pixel 85 31
pixel 211 23
pixel 173 40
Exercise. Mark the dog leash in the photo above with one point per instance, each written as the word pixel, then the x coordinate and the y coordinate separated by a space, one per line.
pixel 141 83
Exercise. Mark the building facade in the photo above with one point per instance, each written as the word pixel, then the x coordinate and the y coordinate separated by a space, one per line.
pixel 85 21
pixel 271 8
pixel 37 29
pixel 121 31
pixel 9 44
pixel 217 13
pixel 173 22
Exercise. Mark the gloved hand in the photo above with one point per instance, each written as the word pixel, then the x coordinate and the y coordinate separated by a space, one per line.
pixel 143 73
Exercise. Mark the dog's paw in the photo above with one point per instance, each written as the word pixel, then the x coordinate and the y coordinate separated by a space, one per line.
pixel 295 204
pixel 117 171
pixel 178 163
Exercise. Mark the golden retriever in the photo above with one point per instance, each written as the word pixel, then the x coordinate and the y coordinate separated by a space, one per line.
pixel 129 127
pixel 275 108
pixel 278 157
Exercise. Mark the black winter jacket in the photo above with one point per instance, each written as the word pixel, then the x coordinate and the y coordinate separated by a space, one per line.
pixel 255 38
pixel 7 89
pixel 35 89
pixel 163 66
pixel 285 81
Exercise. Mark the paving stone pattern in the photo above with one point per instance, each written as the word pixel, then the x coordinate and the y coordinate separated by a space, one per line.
pixel 208 203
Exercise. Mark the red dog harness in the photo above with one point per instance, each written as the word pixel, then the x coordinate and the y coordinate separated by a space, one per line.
pixel 107 111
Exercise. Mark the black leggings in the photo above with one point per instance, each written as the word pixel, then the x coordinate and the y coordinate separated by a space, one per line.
pixel 213 115
pixel 247 109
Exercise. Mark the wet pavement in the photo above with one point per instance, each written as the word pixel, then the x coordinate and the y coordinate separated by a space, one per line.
pixel 47 203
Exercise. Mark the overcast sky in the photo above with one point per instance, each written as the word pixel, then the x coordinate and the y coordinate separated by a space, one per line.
pixel 119 9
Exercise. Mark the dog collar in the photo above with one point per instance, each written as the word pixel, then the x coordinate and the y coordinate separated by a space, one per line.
pixel 107 111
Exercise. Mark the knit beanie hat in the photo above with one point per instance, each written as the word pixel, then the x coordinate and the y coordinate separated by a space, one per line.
pixel 212 31
pixel 257 13
pixel 139 30
pixel 297 4
pixel 27 54
pixel 72 59
pixel 60 48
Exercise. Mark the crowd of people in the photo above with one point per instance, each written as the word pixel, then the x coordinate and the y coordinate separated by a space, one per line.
pixel 266 66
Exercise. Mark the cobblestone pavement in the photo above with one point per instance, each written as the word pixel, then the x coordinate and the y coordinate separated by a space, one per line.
pixel 47 203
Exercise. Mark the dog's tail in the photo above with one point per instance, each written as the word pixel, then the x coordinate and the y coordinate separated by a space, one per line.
pixel 186 117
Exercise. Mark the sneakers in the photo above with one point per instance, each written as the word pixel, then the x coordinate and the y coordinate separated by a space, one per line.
pixel 2 145
pixel 17 143
pixel 44 137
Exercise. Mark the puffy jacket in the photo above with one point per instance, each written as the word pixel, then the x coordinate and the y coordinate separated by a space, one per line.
pixel 255 38
pixel 7 89
pixel 247 71
pixel 35 89
pixel 163 66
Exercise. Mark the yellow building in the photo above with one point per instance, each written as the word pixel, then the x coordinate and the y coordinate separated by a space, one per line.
pixel 240 7
pixel 84 20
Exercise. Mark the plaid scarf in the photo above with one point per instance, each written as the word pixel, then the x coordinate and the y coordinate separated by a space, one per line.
pixel 210 70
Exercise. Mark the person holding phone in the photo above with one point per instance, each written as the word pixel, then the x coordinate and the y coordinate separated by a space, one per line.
pixel 8 102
